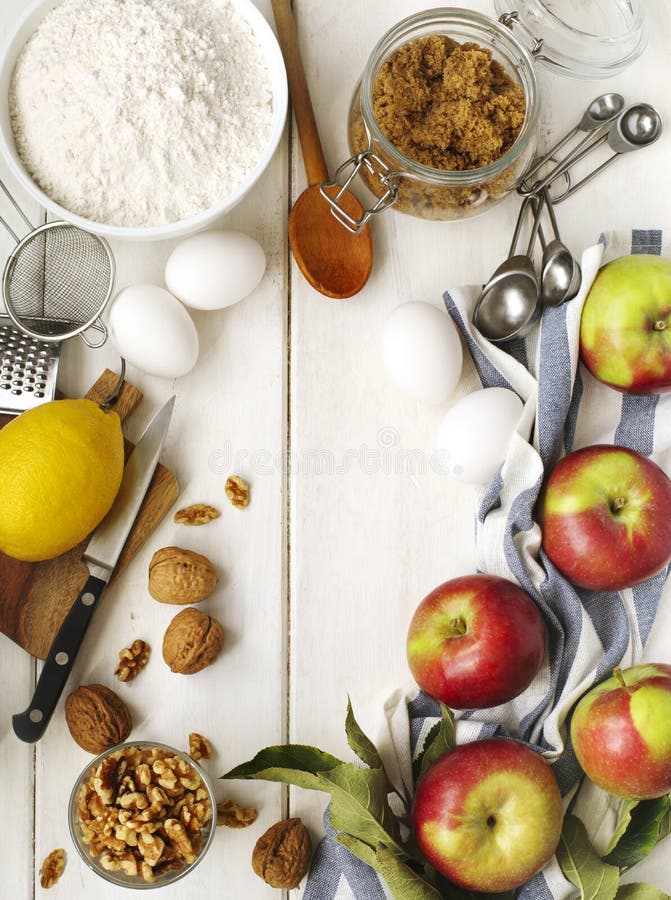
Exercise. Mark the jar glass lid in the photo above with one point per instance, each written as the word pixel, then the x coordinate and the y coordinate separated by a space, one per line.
pixel 580 38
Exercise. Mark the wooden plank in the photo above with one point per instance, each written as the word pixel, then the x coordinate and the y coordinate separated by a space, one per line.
pixel 16 667
pixel 229 417
pixel 367 546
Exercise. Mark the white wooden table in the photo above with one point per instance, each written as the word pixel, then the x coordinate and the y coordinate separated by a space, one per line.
pixel 322 572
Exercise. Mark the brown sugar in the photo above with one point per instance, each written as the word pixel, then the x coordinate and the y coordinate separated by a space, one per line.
pixel 448 105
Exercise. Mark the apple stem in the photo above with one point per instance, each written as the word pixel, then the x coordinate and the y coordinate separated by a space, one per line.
pixel 458 626
pixel 660 325
pixel 618 676
pixel 618 504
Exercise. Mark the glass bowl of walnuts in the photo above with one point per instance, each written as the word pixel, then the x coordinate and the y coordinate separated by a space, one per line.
pixel 142 815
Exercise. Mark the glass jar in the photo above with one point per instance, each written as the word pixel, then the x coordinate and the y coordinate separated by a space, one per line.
pixel 527 32
pixel 421 190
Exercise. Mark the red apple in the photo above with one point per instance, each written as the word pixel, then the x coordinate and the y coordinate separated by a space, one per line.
pixel 488 815
pixel 606 517
pixel 625 330
pixel 475 642
pixel 621 732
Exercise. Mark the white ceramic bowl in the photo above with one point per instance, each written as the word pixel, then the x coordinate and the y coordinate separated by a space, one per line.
pixel 27 24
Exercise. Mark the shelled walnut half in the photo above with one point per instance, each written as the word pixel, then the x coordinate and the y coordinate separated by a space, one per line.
pixel 132 660
pixel 52 868
pixel 233 816
pixel 237 491
pixel 196 514
pixel 199 747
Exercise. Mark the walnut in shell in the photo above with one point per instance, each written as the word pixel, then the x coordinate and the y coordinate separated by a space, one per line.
pixel 282 854
pixel 97 718
pixel 192 641
pixel 180 576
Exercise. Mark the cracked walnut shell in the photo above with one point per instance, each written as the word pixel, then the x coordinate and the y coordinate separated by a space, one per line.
pixel 282 854
pixel 180 576
pixel 192 641
pixel 97 718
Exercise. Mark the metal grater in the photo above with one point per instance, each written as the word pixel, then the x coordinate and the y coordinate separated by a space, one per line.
pixel 28 369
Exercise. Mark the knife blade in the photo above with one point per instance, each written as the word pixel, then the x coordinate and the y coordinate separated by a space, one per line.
pixel 100 556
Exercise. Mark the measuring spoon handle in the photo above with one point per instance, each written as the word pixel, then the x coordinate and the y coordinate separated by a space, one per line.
pixel 579 152
pixel 550 153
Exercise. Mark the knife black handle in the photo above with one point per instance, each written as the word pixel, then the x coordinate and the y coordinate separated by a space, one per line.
pixel 31 724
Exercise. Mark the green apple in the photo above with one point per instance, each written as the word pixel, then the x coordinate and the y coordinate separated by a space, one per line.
pixel 625 330
pixel 488 815
pixel 621 732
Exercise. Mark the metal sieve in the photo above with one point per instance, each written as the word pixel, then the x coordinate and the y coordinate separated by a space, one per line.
pixel 57 280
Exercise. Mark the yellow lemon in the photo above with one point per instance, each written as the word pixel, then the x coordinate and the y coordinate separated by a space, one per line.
pixel 60 469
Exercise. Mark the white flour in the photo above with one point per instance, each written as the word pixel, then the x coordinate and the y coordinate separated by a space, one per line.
pixel 140 112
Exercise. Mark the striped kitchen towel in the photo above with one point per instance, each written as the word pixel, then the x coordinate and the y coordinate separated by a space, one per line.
pixel 589 632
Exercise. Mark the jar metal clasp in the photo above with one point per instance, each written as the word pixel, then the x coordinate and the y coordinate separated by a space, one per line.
pixel 345 175
pixel 512 20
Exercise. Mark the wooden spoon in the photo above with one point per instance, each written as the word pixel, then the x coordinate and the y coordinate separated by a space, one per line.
pixel 334 261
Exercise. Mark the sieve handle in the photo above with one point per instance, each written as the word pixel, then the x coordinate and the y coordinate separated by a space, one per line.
pixel 99 326
pixel 16 206
pixel 10 230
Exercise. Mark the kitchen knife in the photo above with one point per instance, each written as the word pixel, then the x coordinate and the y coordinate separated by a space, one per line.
pixel 101 556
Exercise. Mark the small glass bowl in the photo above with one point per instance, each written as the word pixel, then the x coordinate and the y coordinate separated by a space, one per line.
pixel 119 877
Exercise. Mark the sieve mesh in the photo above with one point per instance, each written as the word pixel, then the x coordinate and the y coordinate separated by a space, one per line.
pixel 58 280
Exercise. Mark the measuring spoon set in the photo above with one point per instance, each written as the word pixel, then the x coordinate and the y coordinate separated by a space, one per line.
pixel 513 299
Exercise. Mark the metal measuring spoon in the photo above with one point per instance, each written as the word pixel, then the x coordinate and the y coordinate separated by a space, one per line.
pixel 509 304
pixel 637 126
pixel 600 111
pixel 561 276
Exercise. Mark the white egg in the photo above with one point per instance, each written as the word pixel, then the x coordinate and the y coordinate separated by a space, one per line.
pixel 153 331
pixel 215 269
pixel 422 352
pixel 474 436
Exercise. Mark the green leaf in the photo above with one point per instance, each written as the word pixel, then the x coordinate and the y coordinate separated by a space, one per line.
pixel 359 803
pixel 624 818
pixel 357 848
pixel 639 891
pixel 580 864
pixel 665 824
pixel 292 764
pixel 440 739
pixel 364 748
pixel 403 882
pixel 642 834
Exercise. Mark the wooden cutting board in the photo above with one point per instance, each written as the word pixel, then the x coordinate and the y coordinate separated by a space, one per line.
pixel 35 597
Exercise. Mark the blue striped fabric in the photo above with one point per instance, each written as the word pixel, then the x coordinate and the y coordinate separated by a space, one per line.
pixel 589 632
